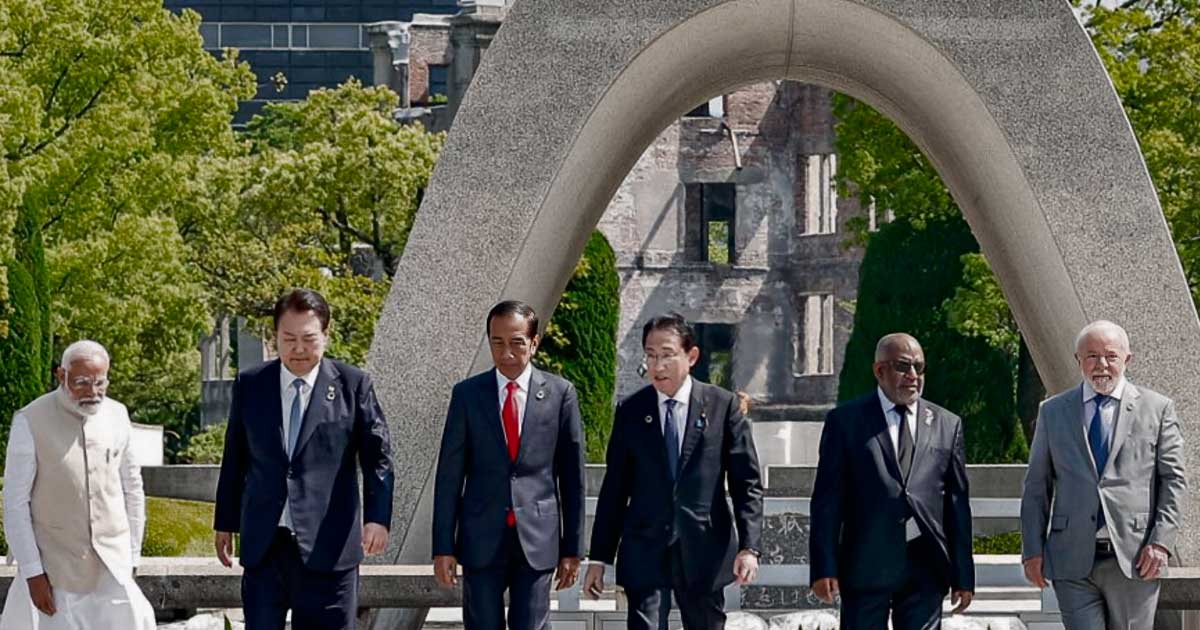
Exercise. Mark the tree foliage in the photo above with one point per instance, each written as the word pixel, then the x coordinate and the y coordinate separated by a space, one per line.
pixel 580 342
pixel 107 110
pixel 906 276
pixel 324 198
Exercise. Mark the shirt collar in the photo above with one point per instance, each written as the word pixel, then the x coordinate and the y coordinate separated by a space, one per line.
pixel 286 377
pixel 522 380
pixel 887 403
pixel 1089 393
pixel 682 395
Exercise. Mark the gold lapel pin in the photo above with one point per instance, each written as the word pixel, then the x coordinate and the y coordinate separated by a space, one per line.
pixel 330 395
pixel 541 394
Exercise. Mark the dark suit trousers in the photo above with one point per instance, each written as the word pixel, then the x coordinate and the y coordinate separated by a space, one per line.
pixel 319 600
pixel 650 609
pixel 916 605
pixel 528 591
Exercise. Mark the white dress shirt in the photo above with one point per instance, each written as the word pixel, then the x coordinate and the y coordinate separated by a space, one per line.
pixel 893 420
pixel 679 413
pixel 522 395
pixel 20 471
pixel 1108 418
pixel 287 396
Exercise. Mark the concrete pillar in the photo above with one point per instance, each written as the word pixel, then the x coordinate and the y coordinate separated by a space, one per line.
pixel 390 43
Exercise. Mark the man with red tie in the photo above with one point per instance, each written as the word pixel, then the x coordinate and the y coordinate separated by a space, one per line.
pixel 508 496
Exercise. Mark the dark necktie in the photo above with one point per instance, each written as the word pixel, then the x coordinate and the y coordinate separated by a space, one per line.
pixel 671 439
pixel 1099 446
pixel 904 443
pixel 295 418
pixel 512 434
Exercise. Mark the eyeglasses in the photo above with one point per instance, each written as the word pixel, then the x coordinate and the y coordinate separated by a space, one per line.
pixel 82 382
pixel 663 359
pixel 903 367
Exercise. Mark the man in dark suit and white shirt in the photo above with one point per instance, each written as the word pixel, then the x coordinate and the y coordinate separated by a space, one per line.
pixel 509 498
pixel 891 516
pixel 1104 490
pixel 676 446
pixel 297 427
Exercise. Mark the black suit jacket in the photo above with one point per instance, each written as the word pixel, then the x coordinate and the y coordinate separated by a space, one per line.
pixel 642 511
pixel 477 483
pixel 343 423
pixel 860 499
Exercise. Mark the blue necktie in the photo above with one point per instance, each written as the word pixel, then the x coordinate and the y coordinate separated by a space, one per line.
pixel 671 439
pixel 1099 447
pixel 295 418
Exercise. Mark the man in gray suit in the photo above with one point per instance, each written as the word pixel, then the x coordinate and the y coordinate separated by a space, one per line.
pixel 508 496
pixel 1103 491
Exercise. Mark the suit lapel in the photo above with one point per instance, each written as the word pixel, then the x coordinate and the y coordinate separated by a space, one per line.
pixel 923 436
pixel 877 422
pixel 693 429
pixel 1123 421
pixel 1072 417
pixel 320 403
pixel 535 407
pixel 273 414
pixel 489 402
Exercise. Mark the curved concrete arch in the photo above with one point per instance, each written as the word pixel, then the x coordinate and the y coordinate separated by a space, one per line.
pixel 1010 103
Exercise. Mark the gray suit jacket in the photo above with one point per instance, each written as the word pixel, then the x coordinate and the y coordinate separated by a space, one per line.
pixel 1141 488
pixel 476 483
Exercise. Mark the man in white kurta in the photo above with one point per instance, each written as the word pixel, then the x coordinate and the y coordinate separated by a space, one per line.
pixel 74 511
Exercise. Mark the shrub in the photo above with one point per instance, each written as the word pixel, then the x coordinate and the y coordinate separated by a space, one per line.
pixel 205 447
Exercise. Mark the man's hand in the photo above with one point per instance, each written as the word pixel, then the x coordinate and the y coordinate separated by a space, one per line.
pixel 962 599
pixel 445 570
pixel 745 567
pixel 374 539
pixel 224 544
pixel 826 589
pixel 1151 561
pixel 593 581
pixel 568 572
pixel 1033 572
pixel 41 594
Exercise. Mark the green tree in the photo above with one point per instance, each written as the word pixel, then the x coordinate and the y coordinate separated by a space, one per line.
pixel 108 110
pixel 325 198
pixel 580 342
pixel 25 348
pixel 902 292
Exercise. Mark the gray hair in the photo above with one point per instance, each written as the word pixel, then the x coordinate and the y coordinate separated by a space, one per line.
pixel 83 350
pixel 888 341
pixel 1102 325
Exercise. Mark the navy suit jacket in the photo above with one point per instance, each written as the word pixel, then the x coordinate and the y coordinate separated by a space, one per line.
pixel 342 426
pixel 642 511
pixel 861 500
pixel 477 483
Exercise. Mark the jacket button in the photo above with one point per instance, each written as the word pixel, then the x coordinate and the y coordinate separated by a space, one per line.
pixel 513 476
pixel 291 473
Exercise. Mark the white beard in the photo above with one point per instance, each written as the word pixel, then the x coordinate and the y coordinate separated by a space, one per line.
pixel 85 409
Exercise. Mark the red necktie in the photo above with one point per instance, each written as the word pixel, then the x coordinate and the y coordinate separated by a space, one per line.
pixel 511 434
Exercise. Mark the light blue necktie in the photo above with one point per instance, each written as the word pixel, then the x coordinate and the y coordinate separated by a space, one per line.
pixel 295 418
pixel 671 439
pixel 1099 444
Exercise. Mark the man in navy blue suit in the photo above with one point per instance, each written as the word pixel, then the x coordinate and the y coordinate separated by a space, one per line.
pixel 288 484
pixel 508 501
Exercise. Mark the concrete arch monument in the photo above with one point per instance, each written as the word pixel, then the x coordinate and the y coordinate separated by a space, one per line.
pixel 1008 100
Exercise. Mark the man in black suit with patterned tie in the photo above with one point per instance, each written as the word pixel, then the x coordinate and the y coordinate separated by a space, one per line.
pixel 676 446
pixel 891 516
pixel 301 429
pixel 508 497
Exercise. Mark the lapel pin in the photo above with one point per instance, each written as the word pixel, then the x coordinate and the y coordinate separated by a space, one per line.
pixel 700 422
pixel 928 417
pixel 541 394
pixel 649 419
pixel 330 395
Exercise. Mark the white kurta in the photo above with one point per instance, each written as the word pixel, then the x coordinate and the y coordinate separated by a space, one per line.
pixel 112 604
